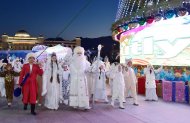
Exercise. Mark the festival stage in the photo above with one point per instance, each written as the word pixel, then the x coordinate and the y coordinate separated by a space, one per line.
pixel 146 112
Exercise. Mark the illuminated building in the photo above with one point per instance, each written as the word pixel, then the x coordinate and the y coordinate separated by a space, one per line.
pixel 23 41
pixel 20 41
pixel 155 32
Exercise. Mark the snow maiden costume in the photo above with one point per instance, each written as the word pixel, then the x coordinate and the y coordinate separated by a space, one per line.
pixel 150 84
pixel 52 80
pixel 98 68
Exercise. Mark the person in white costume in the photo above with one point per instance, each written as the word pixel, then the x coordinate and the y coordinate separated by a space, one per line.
pixel 53 82
pixel 98 68
pixel 2 81
pixel 78 94
pixel 89 76
pixel 110 75
pixel 17 66
pixel 107 69
pixel 150 83
pixel 131 81
pixel 127 84
pixel 65 83
pixel 118 86
pixel 107 64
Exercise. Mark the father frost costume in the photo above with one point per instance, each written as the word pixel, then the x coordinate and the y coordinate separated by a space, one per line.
pixel 79 97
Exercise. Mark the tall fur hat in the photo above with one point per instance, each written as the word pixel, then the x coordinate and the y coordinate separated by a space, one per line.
pixel 31 54
pixel 149 66
pixel 128 60
pixel 79 49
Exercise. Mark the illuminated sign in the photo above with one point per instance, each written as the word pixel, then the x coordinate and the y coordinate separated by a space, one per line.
pixel 162 43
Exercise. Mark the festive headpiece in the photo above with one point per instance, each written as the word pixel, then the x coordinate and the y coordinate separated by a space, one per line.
pixel 78 49
pixel 31 54
pixel 128 60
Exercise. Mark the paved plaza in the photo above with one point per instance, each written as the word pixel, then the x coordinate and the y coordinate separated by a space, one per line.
pixel 146 112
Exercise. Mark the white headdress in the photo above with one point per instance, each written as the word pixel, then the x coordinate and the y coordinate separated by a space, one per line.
pixel 117 67
pixel 31 54
pixel 128 60
pixel 14 61
pixel 149 66
pixel 79 49
pixel 1 63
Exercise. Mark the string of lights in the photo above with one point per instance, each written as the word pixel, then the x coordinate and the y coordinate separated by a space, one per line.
pixel 132 7
pixel 128 7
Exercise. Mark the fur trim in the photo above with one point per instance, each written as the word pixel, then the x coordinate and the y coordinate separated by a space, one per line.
pixel 128 60
pixel 79 49
pixel 31 54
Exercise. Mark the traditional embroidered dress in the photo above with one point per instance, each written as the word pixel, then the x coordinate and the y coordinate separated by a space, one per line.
pixel 65 84
pixel 9 84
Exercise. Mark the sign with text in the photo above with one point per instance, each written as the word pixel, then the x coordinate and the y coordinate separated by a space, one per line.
pixel 166 42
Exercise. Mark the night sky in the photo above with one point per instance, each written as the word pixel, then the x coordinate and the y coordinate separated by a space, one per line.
pixel 49 17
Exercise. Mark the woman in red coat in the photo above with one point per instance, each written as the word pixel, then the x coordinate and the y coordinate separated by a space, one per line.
pixel 29 88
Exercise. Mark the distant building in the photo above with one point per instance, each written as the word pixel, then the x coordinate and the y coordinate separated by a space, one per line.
pixel 20 41
pixel 55 41
pixel 23 41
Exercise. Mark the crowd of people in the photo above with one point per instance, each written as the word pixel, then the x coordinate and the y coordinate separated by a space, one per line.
pixel 73 81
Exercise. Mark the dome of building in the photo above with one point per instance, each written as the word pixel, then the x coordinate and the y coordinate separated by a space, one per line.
pixel 4 33
pixel 22 33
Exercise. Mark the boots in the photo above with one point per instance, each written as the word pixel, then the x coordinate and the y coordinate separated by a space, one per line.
pixel 121 105
pixel 33 109
pixel 9 104
pixel 112 103
pixel 25 106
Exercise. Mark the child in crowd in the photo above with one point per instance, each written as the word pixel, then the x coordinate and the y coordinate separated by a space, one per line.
pixel 2 80
pixel 118 86
pixel 65 83
pixel 28 81
pixel 9 75
pixel 150 84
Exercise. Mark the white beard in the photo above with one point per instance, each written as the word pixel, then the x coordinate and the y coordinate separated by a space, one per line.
pixel 79 62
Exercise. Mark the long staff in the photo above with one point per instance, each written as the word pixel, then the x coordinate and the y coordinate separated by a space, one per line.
pixel 98 59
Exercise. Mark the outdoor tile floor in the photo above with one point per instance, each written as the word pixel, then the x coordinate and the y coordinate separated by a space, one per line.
pixel 146 112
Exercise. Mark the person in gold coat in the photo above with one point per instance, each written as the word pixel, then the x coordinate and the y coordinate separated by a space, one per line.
pixel 9 75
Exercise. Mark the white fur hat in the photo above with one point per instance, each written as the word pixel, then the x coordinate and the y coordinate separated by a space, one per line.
pixel 31 54
pixel 128 60
pixel 17 59
pixel 149 66
pixel 79 49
